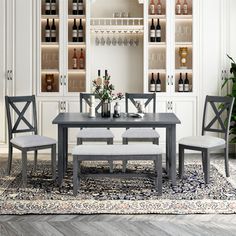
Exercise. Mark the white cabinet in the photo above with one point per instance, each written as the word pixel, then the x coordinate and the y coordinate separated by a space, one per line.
pixel 15 53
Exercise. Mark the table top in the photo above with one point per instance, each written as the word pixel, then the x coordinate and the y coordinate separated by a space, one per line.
pixel 148 120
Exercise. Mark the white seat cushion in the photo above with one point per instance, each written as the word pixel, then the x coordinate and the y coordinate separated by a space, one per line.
pixel 140 133
pixel 32 141
pixel 121 150
pixel 95 133
pixel 202 141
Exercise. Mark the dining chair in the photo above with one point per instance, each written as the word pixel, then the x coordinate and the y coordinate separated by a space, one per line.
pixel 94 134
pixel 18 109
pixel 218 123
pixel 140 134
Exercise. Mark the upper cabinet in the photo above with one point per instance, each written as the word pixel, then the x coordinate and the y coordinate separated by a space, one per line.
pixel 171 57
pixel 61 47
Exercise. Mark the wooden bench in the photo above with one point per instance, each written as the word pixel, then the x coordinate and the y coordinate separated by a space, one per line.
pixel 113 153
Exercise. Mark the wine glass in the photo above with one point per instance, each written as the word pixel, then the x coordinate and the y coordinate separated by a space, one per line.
pixel 125 42
pixel 108 41
pixel 114 41
pixel 97 41
pixel 120 42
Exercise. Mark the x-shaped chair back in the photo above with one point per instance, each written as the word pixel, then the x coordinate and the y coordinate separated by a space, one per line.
pixel 85 97
pixel 11 105
pixel 147 97
pixel 219 105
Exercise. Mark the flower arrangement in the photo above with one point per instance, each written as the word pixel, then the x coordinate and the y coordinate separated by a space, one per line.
pixel 104 90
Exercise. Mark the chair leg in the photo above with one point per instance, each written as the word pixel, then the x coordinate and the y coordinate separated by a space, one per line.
pixel 76 180
pixel 124 162
pixel 35 159
pixel 10 150
pixel 79 141
pixel 226 152
pixel 159 174
pixel 110 142
pixel 24 168
pixel 207 166
pixel 53 161
pixel 181 161
pixel 203 163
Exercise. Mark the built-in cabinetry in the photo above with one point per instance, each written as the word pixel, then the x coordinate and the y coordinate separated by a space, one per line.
pixel 16 60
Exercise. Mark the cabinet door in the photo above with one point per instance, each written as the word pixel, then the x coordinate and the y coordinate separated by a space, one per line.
pixel 47 111
pixel 185 110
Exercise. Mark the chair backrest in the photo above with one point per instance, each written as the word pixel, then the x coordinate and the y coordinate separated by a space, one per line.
pixel 222 110
pixel 85 97
pixel 147 97
pixel 12 108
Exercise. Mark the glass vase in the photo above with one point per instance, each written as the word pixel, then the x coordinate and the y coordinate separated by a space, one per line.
pixel 106 109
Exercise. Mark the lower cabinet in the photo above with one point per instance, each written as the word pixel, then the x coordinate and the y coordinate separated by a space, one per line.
pixel 185 109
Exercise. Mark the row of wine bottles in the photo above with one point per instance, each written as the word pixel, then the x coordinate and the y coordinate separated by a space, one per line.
pixel 183 85
pixel 155 84
pixel 155 32
pixel 78 32
pixel 78 7
pixel 155 9
pixel 50 31
pixel 78 63
pixel 50 7
pixel 181 8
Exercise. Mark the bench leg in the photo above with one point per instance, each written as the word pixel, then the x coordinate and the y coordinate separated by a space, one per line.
pixel 110 142
pixel 124 163
pixel 53 161
pixel 159 174
pixel 75 175
pixel 24 168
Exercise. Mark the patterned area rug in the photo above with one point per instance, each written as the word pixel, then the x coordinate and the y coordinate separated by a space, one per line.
pixel 106 195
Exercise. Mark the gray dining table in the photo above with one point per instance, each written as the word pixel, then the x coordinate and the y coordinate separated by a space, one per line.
pixel 67 120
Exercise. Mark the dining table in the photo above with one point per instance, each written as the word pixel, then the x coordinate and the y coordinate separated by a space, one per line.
pixel 68 120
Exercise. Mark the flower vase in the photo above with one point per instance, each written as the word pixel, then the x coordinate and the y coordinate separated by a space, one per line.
pixel 106 109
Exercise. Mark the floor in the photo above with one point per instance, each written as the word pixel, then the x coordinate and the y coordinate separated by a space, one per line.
pixel 176 225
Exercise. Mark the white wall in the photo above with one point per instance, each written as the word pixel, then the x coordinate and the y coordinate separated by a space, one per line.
pixel 232 29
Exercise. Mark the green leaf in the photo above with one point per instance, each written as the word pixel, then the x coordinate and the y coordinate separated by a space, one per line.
pixel 230 58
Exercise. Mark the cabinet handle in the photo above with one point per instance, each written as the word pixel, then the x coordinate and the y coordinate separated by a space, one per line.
pixel 11 75
pixel 64 106
pixel 8 74
pixel 168 106
pixel 172 82
pixel 168 80
pixel 171 106
pixel 65 80
pixel 61 80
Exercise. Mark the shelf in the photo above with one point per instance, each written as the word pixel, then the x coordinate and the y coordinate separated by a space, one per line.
pixel 180 44
pixel 76 71
pixel 161 71
pixel 183 17
pixel 49 44
pixel 71 17
pixel 183 70
pixel 44 17
pixel 162 44
pixel 161 17
pixel 49 71
pixel 73 44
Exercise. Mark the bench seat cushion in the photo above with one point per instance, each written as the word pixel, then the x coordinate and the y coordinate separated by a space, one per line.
pixel 202 141
pixel 140 133
pixel 121 150
pixel 30 141
pixel 95 133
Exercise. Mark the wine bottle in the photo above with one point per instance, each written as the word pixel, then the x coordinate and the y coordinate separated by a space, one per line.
pixel 75 60
pixel 186 83
pixel 178 8
pixel 152 32
pixel 99 79
pixel 152 86
pixel 158 31
pixel 74 32
pixel 53 31
pixel 159 7
pixel 53 7
pixel 74 7
pixel 80 7
pixel 185 8
pixel 80 32
pixel 47 7
pixel 152 7
pixel 158 83
pixel 47 32
pixel 81 59
pixel 181 83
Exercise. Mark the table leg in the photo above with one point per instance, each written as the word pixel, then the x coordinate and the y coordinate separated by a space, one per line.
pixel 172 152
pixel 167 150
pixel 60 154
pixel 65 153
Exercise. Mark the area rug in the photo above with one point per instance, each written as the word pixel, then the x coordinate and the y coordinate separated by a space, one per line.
pixel 107 195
